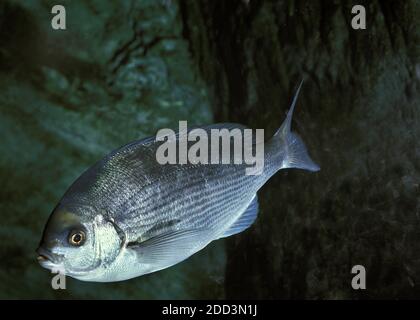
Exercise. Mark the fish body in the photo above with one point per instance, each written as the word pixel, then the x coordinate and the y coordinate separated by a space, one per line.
pixel 134 216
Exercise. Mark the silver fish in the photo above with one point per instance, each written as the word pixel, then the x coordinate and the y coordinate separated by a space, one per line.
pixel 127 215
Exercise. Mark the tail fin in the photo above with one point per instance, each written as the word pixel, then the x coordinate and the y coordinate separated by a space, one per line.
pixel 290 146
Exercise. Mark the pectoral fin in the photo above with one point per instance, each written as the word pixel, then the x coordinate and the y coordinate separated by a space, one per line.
pixel 170 248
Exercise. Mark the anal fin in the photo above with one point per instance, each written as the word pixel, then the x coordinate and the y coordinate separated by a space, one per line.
pixel 245 220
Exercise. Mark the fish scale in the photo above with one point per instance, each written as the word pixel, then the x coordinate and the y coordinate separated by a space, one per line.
pixel 185 207
pixel 152 209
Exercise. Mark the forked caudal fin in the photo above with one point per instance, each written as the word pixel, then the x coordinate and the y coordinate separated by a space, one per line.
pixel 290 146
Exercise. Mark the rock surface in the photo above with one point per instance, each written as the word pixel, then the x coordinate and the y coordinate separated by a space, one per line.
pixel 359 114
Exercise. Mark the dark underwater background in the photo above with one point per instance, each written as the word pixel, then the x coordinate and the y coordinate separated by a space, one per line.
pixel 124 69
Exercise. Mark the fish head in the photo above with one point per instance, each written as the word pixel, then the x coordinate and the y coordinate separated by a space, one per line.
pixel 77 243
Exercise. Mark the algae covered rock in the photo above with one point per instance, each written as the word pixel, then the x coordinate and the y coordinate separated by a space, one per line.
pixel 119 72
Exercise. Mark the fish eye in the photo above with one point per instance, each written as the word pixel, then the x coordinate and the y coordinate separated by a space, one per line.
pixel 77 238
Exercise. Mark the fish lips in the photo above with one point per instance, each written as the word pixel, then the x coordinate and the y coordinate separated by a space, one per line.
pixel 47 259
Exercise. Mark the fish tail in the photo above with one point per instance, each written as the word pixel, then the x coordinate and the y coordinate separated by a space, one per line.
pixel 288 148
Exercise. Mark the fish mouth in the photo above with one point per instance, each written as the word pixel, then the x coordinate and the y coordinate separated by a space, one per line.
pixel 41 258
pixel 47 259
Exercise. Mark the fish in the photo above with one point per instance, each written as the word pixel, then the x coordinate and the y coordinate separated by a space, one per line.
pixel 128 215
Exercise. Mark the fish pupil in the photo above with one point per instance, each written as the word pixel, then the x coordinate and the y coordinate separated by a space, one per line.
pixel 77 238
